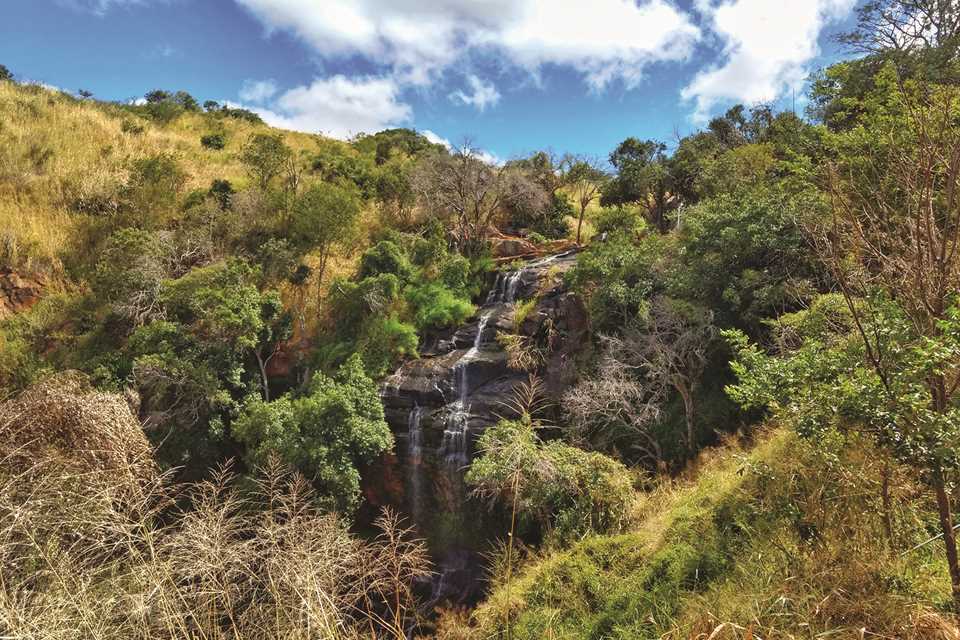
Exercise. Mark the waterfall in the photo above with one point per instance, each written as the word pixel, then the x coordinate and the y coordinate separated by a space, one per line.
pixel 443 401
pixel 414 460
pixel 456 435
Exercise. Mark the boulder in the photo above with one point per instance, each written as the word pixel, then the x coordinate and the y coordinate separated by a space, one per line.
pixel 17 292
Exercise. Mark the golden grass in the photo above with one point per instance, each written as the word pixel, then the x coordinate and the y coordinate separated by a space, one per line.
pixel 55 150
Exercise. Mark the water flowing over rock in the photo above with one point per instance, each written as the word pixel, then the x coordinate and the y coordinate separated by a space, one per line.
pixel 439 405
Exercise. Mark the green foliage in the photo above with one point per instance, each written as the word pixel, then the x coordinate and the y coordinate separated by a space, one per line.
pixel 746 254
pixel 761 538
pixel 553 485
pixel 221 191
pixel 216 141
pixel 825 381
pixel 152 190
pixel 438 307
pixel 130 272
pixel 383 143
pixel 132 127
pixel 616 278
pixel 5 74
pixel 384 343
pixel 325 433
pixel 195 366
pixel 323 216
pixel 385 257
pixel 265 155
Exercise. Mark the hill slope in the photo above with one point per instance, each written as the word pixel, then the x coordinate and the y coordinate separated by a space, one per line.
pixel 781 539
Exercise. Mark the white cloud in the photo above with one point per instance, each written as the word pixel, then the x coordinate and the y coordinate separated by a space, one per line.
pixel 604 40
pixel 766 47
pixel 339 106
pixel 257 91
pixel 484 155
pixel 436 139
pixel 482 94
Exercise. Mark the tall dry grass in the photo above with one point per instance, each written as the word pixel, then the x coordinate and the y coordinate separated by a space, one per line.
pixel 90 556
pixel 95 543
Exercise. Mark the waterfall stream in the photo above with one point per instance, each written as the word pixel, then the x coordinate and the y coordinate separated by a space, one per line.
pixel 438 405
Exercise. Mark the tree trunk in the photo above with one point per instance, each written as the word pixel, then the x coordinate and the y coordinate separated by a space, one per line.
pixel 949 539
pixel 687 394
pixel 885 496
pixel 264 381
pixel 583 210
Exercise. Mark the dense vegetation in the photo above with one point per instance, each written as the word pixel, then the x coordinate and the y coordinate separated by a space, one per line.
pixel 760 440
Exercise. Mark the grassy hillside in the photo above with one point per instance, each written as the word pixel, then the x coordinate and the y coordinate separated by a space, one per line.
pixel 57 152
pixel 774 539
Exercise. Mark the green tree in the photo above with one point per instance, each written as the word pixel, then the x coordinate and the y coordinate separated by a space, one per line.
pixel 550 485
pixel 130 273
pixel 336 425
pixel 642 178
pixel 5 74
pixel 265 155
pixel 194 367
pixel 324 217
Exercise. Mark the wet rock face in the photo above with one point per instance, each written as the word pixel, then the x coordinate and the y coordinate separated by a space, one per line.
pixel 438 405
pixel 18 293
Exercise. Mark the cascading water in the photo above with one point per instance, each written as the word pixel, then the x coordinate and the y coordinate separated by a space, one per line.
pixel 443 401
pixel 414 461
pixel 456 436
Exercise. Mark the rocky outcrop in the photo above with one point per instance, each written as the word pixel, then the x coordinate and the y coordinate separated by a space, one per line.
pixel 18 293
pixel 439 404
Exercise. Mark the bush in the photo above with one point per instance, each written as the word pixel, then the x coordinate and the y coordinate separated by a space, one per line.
pixel 555 486
pixel 385 257
pixel 325 433
pixel 437 307
pixel 155 182
pixel 132 127
pixel 215 141
pixel 384 343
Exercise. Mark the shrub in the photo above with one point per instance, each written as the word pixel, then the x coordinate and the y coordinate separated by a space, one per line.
pixel 325 433
pixel 221 191
pixel 385 257
pixel 265 155
pixel 131 127
pixel 384 343
pixel 215 141
pixel 553 484
pixel 155 182
pixel 437 307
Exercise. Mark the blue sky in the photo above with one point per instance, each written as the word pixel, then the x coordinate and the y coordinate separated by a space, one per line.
pixel 513 75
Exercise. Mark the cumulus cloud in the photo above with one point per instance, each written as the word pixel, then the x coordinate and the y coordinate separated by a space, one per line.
pixel 482 94
pixel 257 91
pixel 339 106
pixel 418 39
pixel 766 49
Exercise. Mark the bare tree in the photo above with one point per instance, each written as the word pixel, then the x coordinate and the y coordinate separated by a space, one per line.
pixel 904 26
pixel 463 187
pixel 639 369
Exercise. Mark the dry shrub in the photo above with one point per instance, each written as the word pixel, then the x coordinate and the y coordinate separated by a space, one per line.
pixel 88 552
pixel 64 418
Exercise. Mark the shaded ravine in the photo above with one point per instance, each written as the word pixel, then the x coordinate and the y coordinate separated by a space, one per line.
pixel 437 407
